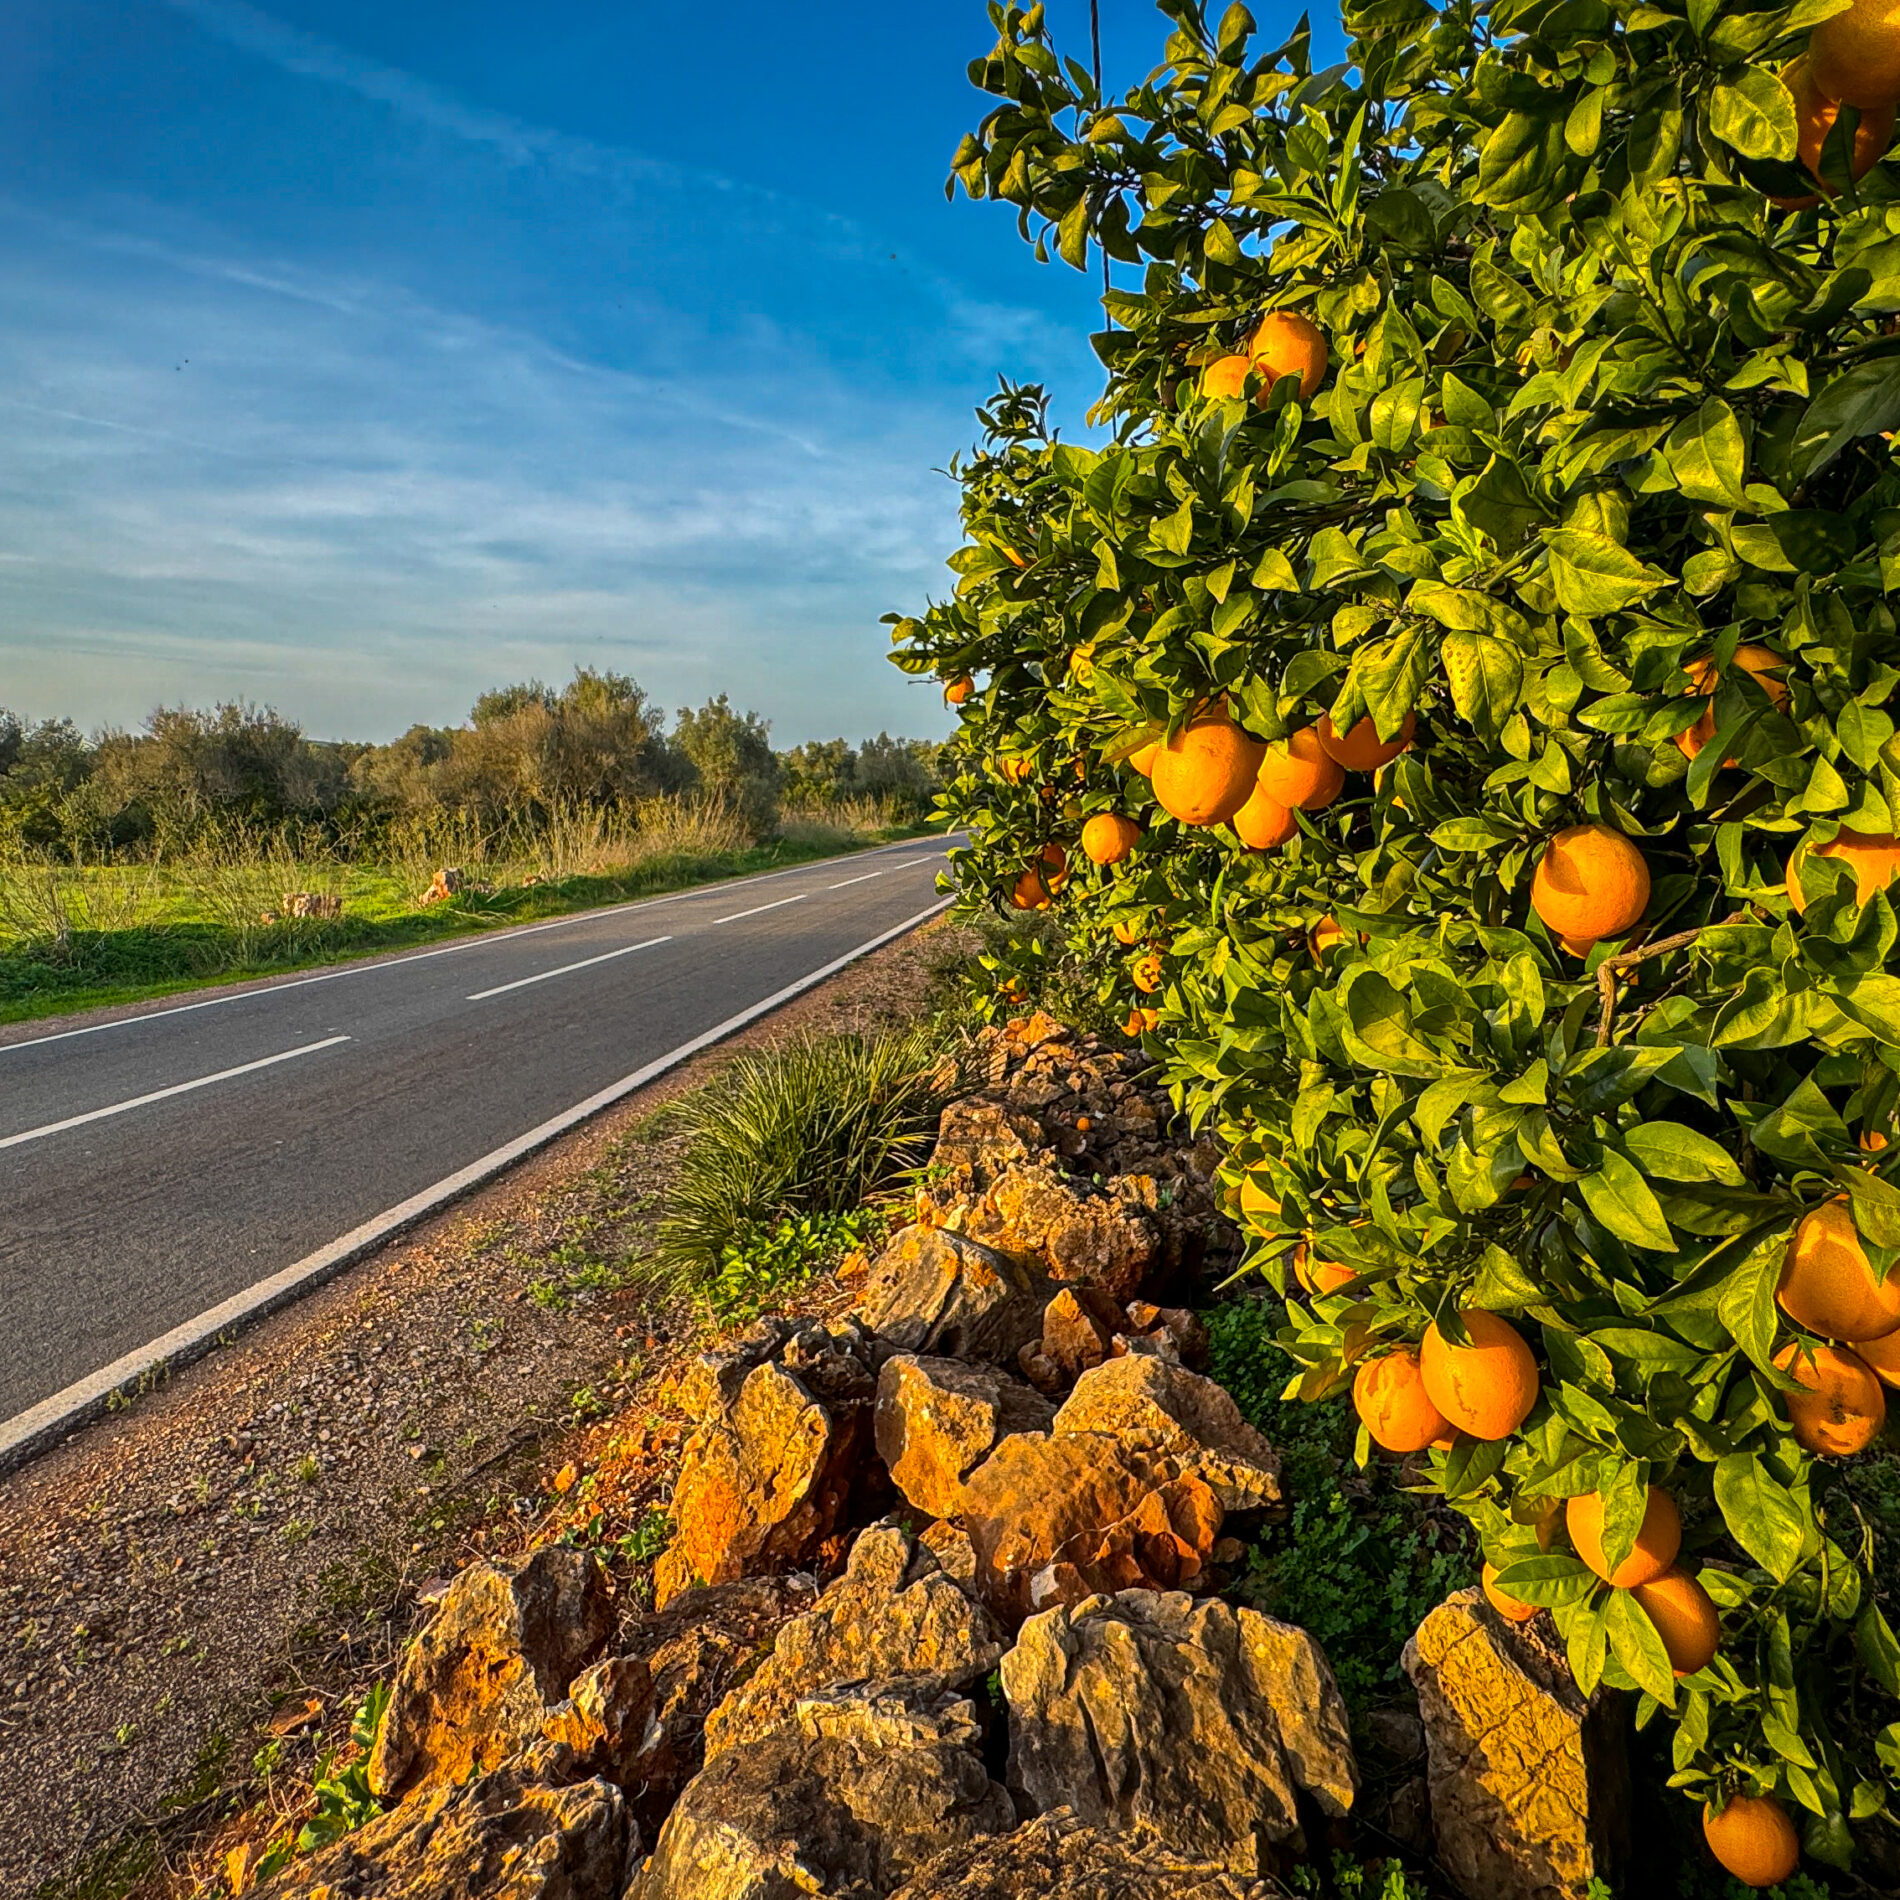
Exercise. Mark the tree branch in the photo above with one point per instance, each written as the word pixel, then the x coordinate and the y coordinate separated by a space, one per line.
pixel 1628 959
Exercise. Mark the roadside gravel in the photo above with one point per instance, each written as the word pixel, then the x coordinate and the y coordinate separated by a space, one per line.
pixel 192 1590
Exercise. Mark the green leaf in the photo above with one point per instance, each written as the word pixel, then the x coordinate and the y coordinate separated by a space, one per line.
pixel 1864 400
pixel 1706 455
pixel 1486 676
pixel 1671 1152
pixel 1502 1285
pixel 1762 1515
pixel 1381 1019
pixel 1755 113
pixel 1520 160
pixel 1621 1199
pixel 1747 1304
pixel 1595 575
pixel 1547 1580
pixel 1638 1646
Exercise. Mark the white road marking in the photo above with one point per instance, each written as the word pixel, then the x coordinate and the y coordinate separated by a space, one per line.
pixel 567 969
pixel 908 862
pixel 177 1088
pixel 846 883
pixel 479 940
pixel 54 1418
pixel 757 908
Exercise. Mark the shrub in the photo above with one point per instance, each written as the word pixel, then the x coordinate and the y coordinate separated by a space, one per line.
pixel 819 1126
pixel 1564 463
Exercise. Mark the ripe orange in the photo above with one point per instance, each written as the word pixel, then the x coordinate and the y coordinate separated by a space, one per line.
pixel 1486 1388
pixel 1127 930
pixel 1319 1277
pixel 959 690
pixel 1288 344
pixel 1590 883
pixel 1263 822
pixel 1815 113
pixel 1361 749
pixel 1017 771
pixel 1226 376
pixel 1752 1837
pixel 1842 1409
pixel 1323 936
pixel 1855 56
pixel 1028 893
pixel 1140 1021
pixel 1884 1356
pixel 1685 1617
pixel 1760 662
pixel 1256 1202
pixel 1512 1609
pixel 1873 857
pixel 1389 1395
pixel 1108 837
pixel 1205 773
pixel 1142 759
pixel 1656 1543
pixel 1147 973
pixel 1827 1281
pixel 1299 773
pixel 1055 866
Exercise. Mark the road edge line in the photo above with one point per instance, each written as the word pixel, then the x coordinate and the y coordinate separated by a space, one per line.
pixel 29 1434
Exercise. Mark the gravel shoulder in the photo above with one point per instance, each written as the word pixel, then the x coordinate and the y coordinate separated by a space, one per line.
pixel 194 1591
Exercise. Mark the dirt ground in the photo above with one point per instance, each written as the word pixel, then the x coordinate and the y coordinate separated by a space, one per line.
pixel 194 1591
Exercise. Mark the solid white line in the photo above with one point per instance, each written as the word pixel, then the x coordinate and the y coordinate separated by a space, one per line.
pixel 46 1423
pixel 177 1088
pixel 758 908
pixel 479 940
pixel 567 969
pixel 846 883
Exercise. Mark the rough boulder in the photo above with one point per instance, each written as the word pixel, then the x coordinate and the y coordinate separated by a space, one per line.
pixel 941 1293
pixel 938 1419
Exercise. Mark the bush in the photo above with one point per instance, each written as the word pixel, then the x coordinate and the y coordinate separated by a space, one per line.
pixel 1510 392
pixel 820 1126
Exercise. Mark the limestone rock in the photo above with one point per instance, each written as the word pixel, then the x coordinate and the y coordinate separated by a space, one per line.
pixel 845 1800
pixel 955 1554
pixel 1150 1402
pixel 1192 1724
pixel 937 1419
pixel 502 1836
pixel 1055 1518
pixel 1529 1782
pixel 476 1685
pixel 894 1617
pixel 1077 1235
pixel 762 1482
pixel 1078 1330
pixel 1171 1332
pixel 938 1292
pixel 1057 1857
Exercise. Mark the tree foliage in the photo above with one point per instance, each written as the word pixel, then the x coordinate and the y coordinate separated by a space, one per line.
pixel 1597 413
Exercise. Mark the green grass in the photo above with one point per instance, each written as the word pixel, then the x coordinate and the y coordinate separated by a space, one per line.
pixel 174 946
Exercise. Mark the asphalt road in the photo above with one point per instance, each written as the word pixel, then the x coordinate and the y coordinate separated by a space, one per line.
pixel 154 1167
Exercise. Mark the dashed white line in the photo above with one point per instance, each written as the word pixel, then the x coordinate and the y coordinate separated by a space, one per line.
pixel 757 908
pixel 844 883
pixel 567 969
pixel 177 1088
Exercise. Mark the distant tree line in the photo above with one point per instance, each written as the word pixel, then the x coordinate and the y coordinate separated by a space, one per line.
pixel 525 753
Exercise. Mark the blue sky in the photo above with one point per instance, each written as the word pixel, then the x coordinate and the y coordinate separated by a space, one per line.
pixel 356 357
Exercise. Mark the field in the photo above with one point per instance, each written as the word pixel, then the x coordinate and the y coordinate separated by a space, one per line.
pixel 81 936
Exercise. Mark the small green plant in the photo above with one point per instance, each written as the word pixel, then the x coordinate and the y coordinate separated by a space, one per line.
pixel 308 1469
pixel 775 1260
pixel 820 1126
pixel 1376 1880
pixel 648 1538
pixel 343 1797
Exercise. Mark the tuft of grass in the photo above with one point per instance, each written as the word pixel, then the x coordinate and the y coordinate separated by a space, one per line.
pixel 821 1126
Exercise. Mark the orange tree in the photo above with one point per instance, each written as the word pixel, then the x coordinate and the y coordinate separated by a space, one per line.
pixel 1504 410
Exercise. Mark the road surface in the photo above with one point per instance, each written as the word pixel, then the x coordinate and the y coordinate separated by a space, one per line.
pixel 172 1169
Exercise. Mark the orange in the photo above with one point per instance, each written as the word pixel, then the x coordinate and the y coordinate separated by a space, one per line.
pixel 1873 857
pixel 1815 113
pixel 1055 863
pixel 1108 837
pixel 1029 893
pixel 1842 1409
pixel 1361 749
pixel 1147 973
pixel 1760 663
pixel 1752 1837
pixel 1320 1277
pixel 1255 1201
pixel 1226 376
pixel 1299 773
pixel 1263 822
pixel 1656 1542
pixel 1512 1609
pixel 1142 759
pixel 1855 56
pixel 1129 931
pixel 1591 883
pixel 1486 1388
pixel 1324 935
pixel 1389 1396
pixel 1884 1356
pixel 1018 770
pixel 1205 773
pixel 1140 1021
pixel 959 690
pixel 1685 1617
pixel 1288 344
pixel 1827 1281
